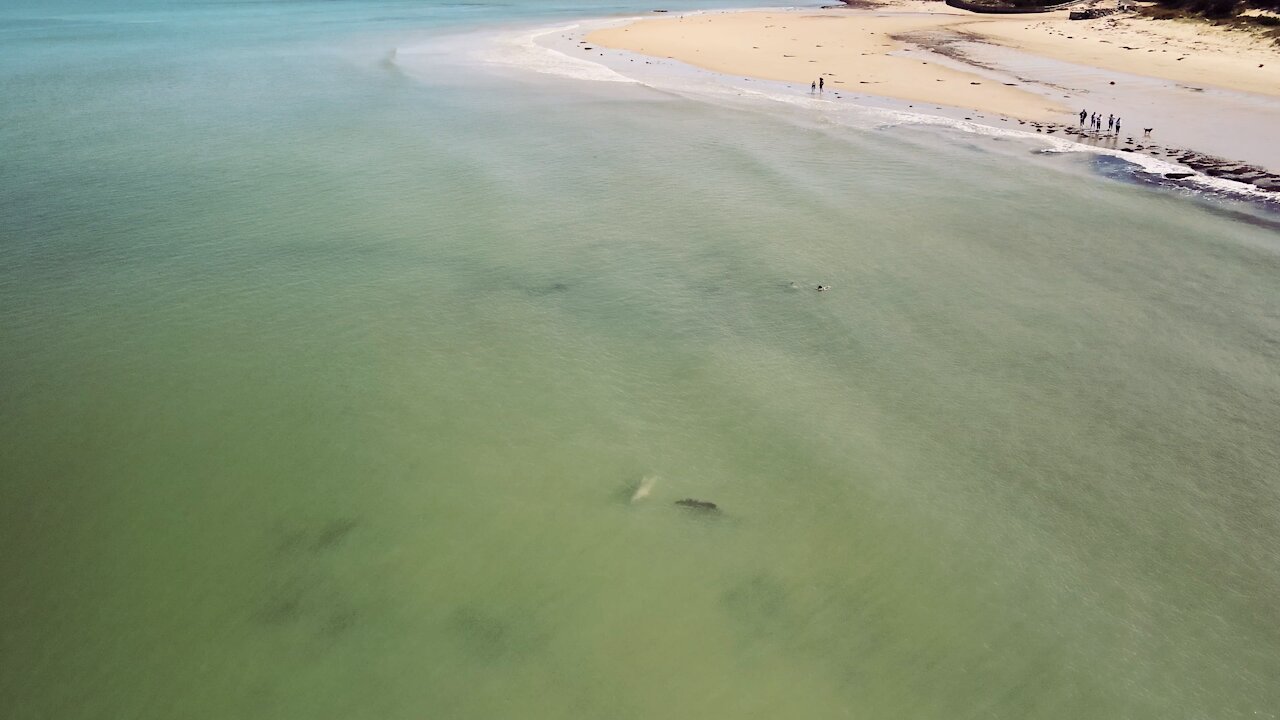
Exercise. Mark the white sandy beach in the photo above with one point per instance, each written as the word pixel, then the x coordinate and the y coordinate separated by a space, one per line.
pixel 1034 67
pixel 1187 52
pixel 852 50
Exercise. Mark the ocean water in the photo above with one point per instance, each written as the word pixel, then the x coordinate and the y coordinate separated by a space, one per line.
pixel 336 337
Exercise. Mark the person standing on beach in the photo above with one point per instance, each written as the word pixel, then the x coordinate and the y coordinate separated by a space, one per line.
pixel 1083 114
pixel 820 83
pixel 1117 126
pixel 1111 122
pixel 813 86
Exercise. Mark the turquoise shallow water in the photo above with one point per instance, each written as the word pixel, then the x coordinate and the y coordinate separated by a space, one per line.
pixel 326 380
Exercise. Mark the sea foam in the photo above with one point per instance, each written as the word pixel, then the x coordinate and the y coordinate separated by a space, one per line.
pixel 522 49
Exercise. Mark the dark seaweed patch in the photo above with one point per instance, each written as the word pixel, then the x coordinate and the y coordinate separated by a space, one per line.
pixel 758 605
pixel 548 289
pixel 300 587
pixel 333 533
pixel 281 610
pixel 490 638
pixel 484 635
pixel 338 623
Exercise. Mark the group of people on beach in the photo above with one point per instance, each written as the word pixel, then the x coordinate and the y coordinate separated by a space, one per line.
pixel 1094 120
pixel 1091 120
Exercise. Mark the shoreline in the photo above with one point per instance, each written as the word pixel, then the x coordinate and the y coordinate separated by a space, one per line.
pixel 928 53
pixel 844 46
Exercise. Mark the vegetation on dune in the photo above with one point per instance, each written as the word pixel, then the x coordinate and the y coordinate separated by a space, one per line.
pixel 1256 15
pixel 1217 9
pixel 1213 9
pixel 1235 13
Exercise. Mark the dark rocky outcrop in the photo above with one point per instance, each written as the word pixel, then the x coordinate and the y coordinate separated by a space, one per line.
pixel 1231 170
pixel 1091 13
pixel 1201 163
pixel 1009 7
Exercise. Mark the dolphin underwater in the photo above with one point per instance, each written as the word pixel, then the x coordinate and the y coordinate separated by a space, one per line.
pixel 644 488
